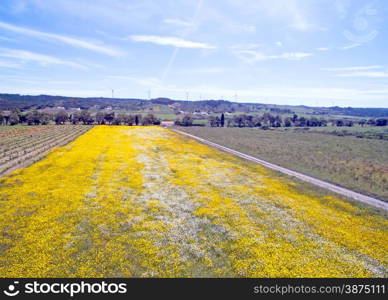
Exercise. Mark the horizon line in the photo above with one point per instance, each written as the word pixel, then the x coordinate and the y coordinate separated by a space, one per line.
pixel 194 100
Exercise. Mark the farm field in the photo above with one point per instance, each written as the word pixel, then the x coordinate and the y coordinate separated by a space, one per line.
pixel 21 145
pixel 369 132
pixel 146 202
pixel 358 164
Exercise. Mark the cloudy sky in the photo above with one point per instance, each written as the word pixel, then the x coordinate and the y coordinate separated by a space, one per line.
pixel 321 52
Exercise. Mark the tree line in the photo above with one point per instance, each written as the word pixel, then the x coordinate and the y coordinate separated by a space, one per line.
pixel 269 120
pixel 36 117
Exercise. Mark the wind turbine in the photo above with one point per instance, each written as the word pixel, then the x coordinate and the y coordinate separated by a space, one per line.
pixel 113 92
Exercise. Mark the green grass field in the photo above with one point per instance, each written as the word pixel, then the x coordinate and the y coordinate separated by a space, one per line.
pixel 357 164
pixel 369 132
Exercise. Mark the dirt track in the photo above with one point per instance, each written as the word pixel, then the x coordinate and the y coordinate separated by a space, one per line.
pixel 339 190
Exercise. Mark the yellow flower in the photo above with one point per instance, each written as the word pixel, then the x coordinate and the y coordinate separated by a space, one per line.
pixel 144 201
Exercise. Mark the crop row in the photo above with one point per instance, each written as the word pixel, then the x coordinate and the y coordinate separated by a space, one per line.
pixel 12 151
pixel 7 131
pixel 22 136
pixel 33 146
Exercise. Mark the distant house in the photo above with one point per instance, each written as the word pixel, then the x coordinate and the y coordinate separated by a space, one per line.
pixel 50 110
pixel 174 105
pixel 166 123
pixel 108 108
pixel 74 109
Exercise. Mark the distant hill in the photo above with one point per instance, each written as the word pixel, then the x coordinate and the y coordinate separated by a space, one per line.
pixel 27 102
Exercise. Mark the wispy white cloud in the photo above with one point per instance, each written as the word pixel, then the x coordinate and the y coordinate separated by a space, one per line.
pixel 351 46
pixel 364 74
pixel 210 70
pixel 249 46
pixel 11 65
pixel 178 22
pixel 7 39
pixel 353 68
pixel 22 55
pixel 252 56
pixel 292 55
pixel 63 39
pixel 374 71
pixel 70 92
pixel 380 91
pixel 181 41
pixel 323 49
pixel 170 41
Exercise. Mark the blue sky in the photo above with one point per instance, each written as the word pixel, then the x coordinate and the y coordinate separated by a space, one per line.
pixel 321 52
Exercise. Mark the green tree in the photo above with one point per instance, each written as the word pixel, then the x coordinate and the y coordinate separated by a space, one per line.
pixel 14 118
pixel 187 120
pixel 137 120
pixel 86 117
pixel 214 121
pixel 362 122
pixel 61 117
pixel 33 117
pixel 75 118
pixel 150 119
pixel 100 118
pixel 371 122
pixel 46 118
pixel 109 117
pixel 301 122
pixel 129 120
pixel 381 122
pixel 222 120
pixel 339 123
pixel 119 119
pixel 287 122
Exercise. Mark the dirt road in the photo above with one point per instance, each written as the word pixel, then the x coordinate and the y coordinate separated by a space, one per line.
pixel 339 190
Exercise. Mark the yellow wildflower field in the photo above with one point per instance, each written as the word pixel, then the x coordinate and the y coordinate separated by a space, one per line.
pixel 146 202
